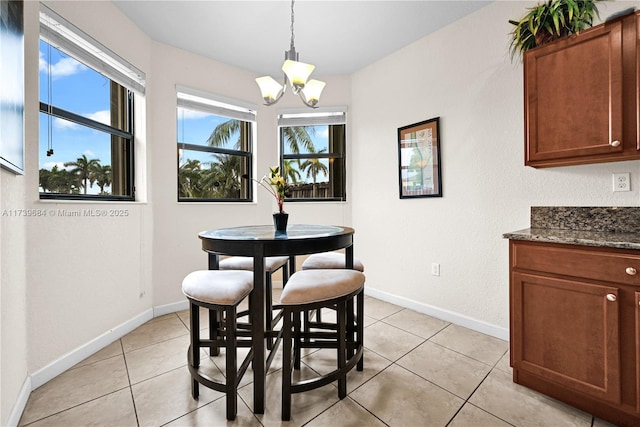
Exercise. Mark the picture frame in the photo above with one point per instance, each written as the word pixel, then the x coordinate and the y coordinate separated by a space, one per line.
pixel 419 165
pixel 12 86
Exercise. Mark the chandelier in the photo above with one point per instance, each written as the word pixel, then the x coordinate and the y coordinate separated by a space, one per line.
pixel 296 73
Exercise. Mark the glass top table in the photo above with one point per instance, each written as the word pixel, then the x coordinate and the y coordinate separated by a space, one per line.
pixel 260 241
pixel 267 232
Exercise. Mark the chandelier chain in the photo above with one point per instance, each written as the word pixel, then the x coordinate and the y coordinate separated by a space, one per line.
pixel 292 19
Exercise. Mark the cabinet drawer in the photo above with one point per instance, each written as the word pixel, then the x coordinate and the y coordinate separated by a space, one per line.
pixel 612 265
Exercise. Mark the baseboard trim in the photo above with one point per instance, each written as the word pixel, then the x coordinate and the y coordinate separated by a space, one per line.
pixel 55 368
pixel 446 315
pixel 161 310
pixel 21 403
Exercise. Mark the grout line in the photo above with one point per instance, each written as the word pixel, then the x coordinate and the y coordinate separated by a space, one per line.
pixel 72 407
pixel 133 399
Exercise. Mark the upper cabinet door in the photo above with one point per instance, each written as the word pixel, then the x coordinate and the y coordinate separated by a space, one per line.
pixel 636 99
pixel 575 98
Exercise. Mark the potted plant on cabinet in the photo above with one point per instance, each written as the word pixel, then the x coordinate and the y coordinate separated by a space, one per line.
pixel 550 21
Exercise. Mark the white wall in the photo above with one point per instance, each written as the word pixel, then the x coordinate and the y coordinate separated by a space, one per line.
pixel 13 330
pixel 464 75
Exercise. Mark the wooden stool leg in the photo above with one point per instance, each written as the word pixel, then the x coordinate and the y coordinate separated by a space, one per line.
pixel 285 275
pixel 232 363
pixel 286 365
pixel 194 348
pixel 360 327
pixel 342 348
pixel 268 298
pixel 214 331
pixel 296 340
pixel 351 329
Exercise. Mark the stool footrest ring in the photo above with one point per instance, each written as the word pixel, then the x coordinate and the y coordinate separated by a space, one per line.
pixel 306 385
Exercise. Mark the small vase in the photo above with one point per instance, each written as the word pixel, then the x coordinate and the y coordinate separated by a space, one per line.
pixel 280 221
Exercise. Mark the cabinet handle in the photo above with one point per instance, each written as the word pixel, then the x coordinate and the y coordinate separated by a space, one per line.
pixel 611 297
pixel 631 271
pixel 615 143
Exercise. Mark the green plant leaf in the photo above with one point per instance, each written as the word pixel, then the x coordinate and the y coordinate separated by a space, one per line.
pixel 556 23
pixel 557 17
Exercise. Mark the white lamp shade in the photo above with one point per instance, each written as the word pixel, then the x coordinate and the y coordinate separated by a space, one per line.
pixel 297 73
pixel 312 91
pixel 271 90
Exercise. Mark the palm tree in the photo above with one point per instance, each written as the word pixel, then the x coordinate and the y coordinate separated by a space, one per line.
pixel 46 178
pixel 224 176
pixel 291 173
pixel 84 170
pixel 190 179
pixel 299 136
pixel 314 167
pixel 294 136
pixel 222 133
pixel 58 181
pixel 103 176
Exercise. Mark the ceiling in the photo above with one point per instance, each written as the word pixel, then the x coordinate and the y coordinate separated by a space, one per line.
pixel 338 37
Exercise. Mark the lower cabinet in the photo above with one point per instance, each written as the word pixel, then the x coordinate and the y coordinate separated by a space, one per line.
pixel 575 326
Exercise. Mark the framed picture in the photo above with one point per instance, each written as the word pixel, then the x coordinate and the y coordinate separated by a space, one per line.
pixel 419 160
pixel 12 86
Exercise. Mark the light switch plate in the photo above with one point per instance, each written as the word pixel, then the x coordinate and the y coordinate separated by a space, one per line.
pixel 435 269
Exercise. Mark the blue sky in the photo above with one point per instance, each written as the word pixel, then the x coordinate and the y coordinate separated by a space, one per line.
pixel 66 88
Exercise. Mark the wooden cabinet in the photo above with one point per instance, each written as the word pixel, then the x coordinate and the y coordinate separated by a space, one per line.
pixel 575 326
pixel 581 97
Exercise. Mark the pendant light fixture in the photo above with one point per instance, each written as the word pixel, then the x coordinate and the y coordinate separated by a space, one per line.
pixel 296 73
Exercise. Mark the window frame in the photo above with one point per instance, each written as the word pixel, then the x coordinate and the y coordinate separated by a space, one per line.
pixel 197 100
pixel 60 34
pixel 330 116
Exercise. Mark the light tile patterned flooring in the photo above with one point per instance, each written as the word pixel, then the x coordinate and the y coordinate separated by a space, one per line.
pixel 419 371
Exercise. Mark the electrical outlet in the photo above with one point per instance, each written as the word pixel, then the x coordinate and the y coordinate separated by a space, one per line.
pixel 435 269
pixel 622 181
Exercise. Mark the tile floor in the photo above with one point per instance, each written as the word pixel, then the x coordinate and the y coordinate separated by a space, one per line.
pixel 419 371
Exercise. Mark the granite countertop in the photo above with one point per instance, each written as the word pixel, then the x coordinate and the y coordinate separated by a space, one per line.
pixel 578 237
pixel 603 227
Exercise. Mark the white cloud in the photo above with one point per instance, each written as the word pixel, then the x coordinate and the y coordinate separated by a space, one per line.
pixel 324 132
pixel 42 63
pixel 103 116
pixel 60 165
pixel 64 67
pixel 89 154
pixel 62 124
pixel 99 116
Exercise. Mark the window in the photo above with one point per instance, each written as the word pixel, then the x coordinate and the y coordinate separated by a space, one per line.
pixel 86 115
pixel 215 144
pixel 312 147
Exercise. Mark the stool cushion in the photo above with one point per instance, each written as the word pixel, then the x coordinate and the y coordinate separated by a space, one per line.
pixel 328 260
pixel 310 286
pixel 218 287
pixel 271 263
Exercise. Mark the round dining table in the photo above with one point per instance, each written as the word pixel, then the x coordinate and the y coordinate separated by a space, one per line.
pixel 260 241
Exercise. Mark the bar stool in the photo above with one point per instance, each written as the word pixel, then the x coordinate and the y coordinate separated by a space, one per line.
pixel 329 260
pixel 313 290
pixel 221 292
pixel 271 265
